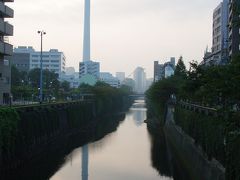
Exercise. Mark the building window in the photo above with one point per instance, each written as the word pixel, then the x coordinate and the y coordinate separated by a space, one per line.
pixel 55 56
pixel 34 55
pixel 7 80
pixel 55 61
pixel 6 62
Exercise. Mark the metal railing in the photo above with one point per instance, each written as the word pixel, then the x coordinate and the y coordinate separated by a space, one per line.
pixel 198 108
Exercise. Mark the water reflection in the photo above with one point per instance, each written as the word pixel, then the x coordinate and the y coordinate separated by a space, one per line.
pixel 112 150
pixel 61 152
pixel 139 112
pixel 163 158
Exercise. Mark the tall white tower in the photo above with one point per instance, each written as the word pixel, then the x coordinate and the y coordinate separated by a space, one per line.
pixel 86 38
pixel 87 66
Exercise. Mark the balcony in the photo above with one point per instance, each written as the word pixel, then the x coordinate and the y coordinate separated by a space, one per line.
pixel 6 49
pixel 5 11
pixel 6 29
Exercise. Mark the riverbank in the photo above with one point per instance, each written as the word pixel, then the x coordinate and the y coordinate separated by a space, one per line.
pixel 191 156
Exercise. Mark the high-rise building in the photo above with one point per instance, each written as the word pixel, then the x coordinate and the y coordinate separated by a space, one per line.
pixel 158 71
pixel 6 49
pixel 26 58
pixel 234 28
pixel 120 76
pixel 219 52
pixel 139 77
pixel 88 67
pixel 164 70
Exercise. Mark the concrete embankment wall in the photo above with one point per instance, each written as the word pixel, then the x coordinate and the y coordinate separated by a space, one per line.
pixel 191 156
pixel 40 126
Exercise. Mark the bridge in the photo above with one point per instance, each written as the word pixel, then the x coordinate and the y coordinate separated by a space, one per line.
pixel 137 96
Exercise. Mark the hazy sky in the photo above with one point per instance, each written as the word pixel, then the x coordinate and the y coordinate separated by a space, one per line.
pixel 125 33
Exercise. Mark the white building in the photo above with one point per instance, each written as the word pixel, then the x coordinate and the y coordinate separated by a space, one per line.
pixel 109 79
pixel 53 60
pixel 120 76
pixel 140 80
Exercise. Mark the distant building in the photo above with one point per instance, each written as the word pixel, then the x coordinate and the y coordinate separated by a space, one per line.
pixel 173 61
pixel 158 71
pixel 219 52
pixel 26 58
pixel 164 70
pixel 120 76
pixel 89 67
pixel 169 71
pixel 129 82
pixel 88 79
pixel 234 28
pixel 149 83
pixel 139 77
pixel 72 77
pixel 70 70
pixel 6 49
pixel 109 79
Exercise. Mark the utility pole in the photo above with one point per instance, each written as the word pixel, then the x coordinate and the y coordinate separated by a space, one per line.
pixel 41 68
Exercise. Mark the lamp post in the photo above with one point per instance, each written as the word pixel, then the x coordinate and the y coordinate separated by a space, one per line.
pixel 41 69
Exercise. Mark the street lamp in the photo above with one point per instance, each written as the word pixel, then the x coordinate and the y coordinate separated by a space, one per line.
pixel 41 69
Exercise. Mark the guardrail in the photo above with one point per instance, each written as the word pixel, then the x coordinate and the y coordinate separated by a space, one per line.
pixel 57 105
pixel 198 108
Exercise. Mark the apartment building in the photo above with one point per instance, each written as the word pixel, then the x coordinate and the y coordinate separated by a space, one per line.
pixel 234 28
pixel 219 52
pixel 26 58
pixel 6 50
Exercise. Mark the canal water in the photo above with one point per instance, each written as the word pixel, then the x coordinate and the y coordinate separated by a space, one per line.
pixel 118 147
pixel 131 152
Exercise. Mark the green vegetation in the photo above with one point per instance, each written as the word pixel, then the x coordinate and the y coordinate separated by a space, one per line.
pixel 8 129
pixel 25 85
pixel 200 127
pixel 213 86
pixel 108 98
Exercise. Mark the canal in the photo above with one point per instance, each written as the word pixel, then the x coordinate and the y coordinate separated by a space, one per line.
pixel 126 154
pixel 119 148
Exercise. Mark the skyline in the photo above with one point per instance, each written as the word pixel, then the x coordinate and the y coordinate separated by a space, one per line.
pixel 122 31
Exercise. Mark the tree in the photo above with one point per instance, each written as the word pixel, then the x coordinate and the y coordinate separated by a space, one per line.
pixel 65 85
pixel 180 68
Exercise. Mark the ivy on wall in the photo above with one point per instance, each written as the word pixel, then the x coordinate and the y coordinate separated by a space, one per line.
pixel 9 119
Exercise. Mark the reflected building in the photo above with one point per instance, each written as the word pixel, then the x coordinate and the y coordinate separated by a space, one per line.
pixel 85 156
pixel 139 116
